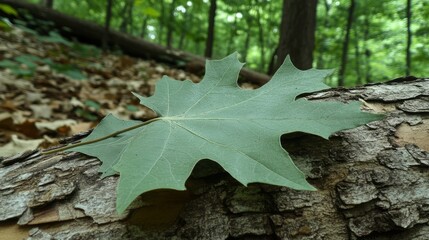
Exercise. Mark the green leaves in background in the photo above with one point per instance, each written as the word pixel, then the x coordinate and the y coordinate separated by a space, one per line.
pixel 215 119
pixel 25 66
pixel 8 9
pixel 5 24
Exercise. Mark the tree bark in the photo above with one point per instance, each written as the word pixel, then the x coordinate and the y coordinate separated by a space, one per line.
pixel 93 33
pixel 372 181
pixel 297 30
pixel 409 38
pixel 210 30
pixel 342 71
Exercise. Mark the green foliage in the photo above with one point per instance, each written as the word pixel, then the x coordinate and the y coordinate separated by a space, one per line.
pixel 85 50
pixel 55 37
pixel 8 9
pixel 215 119
pixel 5 24
pixel 376 49
pixel 25 66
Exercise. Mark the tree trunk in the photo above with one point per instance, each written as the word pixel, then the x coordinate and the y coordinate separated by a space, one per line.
pixel 127 17
pixel 297 30
pixel 232 34
pixel 357 58
pixel 106 33
pixel 170 25
pixel 323 45
pixel 185 27
pixel 48 3
pixel 342 71
pixel 409 35
pixel 161 22
pixel 366 49
pixel 247 40
pixel 372 181
pixel 144 27
pixel 261 39
pixel 210 30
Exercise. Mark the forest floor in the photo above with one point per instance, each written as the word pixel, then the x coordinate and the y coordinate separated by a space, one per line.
pixel 51 88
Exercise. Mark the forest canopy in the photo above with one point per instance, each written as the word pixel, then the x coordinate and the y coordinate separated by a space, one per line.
pixel 381 33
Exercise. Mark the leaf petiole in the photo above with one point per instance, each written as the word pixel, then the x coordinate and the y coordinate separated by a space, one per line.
pixel 99 139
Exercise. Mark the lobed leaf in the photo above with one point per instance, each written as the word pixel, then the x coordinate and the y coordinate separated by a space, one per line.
pixel 215 119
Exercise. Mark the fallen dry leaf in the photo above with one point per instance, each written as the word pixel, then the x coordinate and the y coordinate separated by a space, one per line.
pixel 18 145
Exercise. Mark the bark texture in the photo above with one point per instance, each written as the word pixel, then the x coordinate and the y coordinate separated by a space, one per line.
pixel 373 183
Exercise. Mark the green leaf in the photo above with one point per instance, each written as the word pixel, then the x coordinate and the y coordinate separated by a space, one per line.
pixel 92 104
pixel 8 64
pixel 55 37
pixel 86 114
pixel 132 108
pixel 8 9
pixel 116 145
pixel 215 119
pixel 151 12
pixel 28 60
pixel 69 70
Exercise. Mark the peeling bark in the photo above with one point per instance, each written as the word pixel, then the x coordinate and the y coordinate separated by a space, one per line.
pixel 373 183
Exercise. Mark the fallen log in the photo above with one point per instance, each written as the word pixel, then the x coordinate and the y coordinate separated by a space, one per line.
pixel 133 46
pixel 373 183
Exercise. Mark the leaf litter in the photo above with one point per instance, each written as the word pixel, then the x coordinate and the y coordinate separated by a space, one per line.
pixel 53 89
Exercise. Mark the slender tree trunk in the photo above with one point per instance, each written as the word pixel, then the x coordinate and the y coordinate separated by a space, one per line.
pixel 343 65
pixel 105 42
pixel 357 58
pixel 211 29
pixel 232 34
pixel 269 42
pixel 170 25
pixel 409 35
pixel 366 49
pixel 246 45
pixel 261 39
pixel 130 16
pixel 186 40
pixel 297 31
pixel 48 3
pixel 185 27
pixel 199 44
pixel 247 41
pixel 125 17
pixel 323 45
pixel 144 27
pixel 161 21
